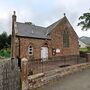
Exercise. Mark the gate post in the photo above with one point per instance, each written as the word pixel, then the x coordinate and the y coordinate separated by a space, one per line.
pixel 24 74
pixel 88 57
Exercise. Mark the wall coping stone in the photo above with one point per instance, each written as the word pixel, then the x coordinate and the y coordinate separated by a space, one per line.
pixel 32 77
pixel 56 74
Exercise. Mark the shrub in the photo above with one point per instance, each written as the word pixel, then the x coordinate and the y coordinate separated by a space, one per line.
pixel 88 48
pixel 5 53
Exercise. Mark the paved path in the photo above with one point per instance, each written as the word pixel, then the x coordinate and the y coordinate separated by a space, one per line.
pixel 78 81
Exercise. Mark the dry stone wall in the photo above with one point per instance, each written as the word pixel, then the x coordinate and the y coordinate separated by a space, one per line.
pixel 9 75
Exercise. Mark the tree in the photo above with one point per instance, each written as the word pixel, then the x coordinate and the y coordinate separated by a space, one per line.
pixel 85 21
pixel 9 41
pixel 5 40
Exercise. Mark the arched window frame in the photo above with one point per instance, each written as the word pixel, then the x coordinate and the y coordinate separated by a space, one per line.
pixel 30 50
pixel 66 41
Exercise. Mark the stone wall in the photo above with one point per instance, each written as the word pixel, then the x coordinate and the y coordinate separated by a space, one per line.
pixel 50 75
pixel 54 75
pixel 88 57
pixel 9 75
pixel 24 73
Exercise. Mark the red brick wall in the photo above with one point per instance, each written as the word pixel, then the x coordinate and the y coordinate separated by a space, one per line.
pixel 55 42
pixel 35 43
pixel 57 39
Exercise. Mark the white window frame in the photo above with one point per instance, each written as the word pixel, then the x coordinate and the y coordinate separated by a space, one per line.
pixel 30 51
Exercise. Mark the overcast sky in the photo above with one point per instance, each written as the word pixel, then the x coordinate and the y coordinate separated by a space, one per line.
pixel 43 12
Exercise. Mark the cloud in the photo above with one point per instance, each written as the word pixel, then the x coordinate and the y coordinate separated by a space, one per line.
pixel 42 12
pixel 5 26
pixel 5 20
pixel 24 15
pixel 6 17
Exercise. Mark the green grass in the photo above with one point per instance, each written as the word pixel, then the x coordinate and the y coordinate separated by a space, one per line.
pixel 5 53
pixel 85 49
pixel 88 49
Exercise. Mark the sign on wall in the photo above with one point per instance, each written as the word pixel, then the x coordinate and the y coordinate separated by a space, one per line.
pixel 57 50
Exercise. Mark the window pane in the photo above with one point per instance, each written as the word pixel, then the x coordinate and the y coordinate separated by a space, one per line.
pixel 65 39
pixel 30 50
pixel 30 46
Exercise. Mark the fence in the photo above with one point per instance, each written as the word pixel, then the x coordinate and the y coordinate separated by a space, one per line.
pixel 9 75
pixel 38 66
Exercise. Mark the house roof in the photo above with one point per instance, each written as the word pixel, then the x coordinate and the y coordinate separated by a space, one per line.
pixel 52 26
pixel 30 30
pixel 80 41
pixel 85 40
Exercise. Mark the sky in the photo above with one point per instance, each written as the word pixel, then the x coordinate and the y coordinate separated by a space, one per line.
pixel 43 12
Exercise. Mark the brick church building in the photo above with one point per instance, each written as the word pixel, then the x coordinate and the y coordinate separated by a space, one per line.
pixel 56 40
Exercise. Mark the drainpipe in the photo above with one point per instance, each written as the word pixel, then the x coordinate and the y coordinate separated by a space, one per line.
pixel 19 46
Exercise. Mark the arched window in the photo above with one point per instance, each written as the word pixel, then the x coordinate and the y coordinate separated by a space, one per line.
pixel 30 50
pixel 66 39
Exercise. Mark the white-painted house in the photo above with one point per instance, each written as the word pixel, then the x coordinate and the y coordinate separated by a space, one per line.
pixel 82 44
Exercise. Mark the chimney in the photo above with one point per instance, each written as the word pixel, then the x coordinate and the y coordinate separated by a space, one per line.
pixel 13 19
pixel 13 35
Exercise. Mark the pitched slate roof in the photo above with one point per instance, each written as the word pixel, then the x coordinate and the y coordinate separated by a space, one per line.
pixel 30 30
pixel 85 40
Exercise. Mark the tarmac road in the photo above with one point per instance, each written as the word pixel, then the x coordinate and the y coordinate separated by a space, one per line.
pixel 77 81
